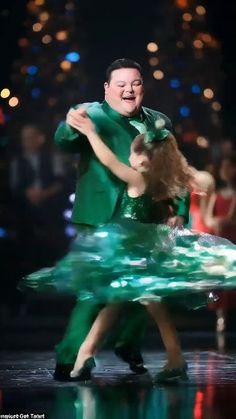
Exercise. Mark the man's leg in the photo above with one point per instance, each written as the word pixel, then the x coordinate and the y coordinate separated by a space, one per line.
pixel 132 325
pixel 131 331
pixel 126 348
pixel 80 322
pixel 101 326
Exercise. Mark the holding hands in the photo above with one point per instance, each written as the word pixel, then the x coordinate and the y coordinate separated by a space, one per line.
pixel 79 119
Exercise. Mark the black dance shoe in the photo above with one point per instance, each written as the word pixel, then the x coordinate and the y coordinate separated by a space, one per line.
pixel 172 375
pixel 62 372
pixel 132 356
pixel 84 373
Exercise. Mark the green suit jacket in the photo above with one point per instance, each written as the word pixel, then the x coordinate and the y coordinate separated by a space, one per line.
pixel 97 189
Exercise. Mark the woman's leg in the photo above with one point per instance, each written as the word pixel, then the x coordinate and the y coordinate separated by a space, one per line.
pixel 160 314
pixel 101 325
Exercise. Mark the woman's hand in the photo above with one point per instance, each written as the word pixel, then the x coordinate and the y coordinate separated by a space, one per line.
pixel 79 119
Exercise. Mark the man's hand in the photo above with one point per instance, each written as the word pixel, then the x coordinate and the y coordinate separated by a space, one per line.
pixel 176 221
pixel 78 119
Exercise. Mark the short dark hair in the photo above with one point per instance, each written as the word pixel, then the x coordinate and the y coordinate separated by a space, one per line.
pixel 122 63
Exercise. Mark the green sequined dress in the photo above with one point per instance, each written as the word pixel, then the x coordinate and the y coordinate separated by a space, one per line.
pixel 138 257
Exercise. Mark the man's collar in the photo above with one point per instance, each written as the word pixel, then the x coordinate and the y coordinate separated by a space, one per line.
pixel 118 117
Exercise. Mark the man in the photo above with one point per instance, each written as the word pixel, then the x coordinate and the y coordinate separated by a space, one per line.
pixel 38 187
pixel 118 119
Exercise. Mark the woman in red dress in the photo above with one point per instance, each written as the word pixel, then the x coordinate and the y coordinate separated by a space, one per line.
pixel 220 218
pixel 199 202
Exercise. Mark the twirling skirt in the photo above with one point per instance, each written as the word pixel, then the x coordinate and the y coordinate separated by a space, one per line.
pixel 130 261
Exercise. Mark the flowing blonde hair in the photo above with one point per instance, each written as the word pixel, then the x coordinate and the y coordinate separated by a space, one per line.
pixel 168 174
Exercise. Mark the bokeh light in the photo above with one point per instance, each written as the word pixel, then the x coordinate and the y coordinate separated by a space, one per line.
pixel 46 39
pixel 187 17
pixel 37 27
pixel 182 3
pixel 200 10
pixel 23 42
pixel 44 16
pixel 32 70
pixel 202 142
pixel 175 83
pixel 152 47
pixel 39 2
pixel 61 35
pixel 184 111
pixel 216 106
pixel 158 74
pixel 60 77
pixel 196 89
pixel 35 92
pixel 206 37
pixel 153 61
pixel 197 43
pixel 72 56
pixel 208 93
pixel 5 93
pixel 65 65
pixel 14 101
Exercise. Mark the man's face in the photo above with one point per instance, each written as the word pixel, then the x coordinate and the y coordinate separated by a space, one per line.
pixel 124 92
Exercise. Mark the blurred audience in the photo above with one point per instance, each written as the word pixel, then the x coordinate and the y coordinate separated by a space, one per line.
pixel 220 217
pixel 39 189
pixel 38 184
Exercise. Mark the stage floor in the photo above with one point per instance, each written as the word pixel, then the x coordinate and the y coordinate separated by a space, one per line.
pixel 29 390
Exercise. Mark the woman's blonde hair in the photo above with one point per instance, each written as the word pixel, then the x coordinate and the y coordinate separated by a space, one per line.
pixel 167 175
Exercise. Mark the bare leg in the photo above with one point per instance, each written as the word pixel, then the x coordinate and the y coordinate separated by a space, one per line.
pixel 160 314
pixel 220 328
pixel 101 325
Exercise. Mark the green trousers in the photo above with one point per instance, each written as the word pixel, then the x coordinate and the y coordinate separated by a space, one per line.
pixel 129 328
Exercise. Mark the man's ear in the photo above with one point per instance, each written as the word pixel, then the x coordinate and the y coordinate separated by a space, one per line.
pixel 106 85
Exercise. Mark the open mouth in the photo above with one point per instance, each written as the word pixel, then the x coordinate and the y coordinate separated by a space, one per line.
pixel 129 99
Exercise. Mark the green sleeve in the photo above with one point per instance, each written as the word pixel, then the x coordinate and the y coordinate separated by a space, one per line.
pixel 181 206
pixel 67 138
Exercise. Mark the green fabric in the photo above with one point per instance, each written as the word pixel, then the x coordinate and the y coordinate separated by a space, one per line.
pixel 82 318
pixel 131 259
pixel 96 199
pixel 129 330
pixel 96 186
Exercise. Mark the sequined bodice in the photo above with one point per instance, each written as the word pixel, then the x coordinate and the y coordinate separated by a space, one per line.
pixel 142 209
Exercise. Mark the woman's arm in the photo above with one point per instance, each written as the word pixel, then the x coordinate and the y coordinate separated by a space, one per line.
pixel 208 217
pixel 105 155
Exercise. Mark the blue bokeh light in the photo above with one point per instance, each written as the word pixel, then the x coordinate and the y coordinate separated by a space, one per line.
pixel 196 89
pixel 72 57
pixel 70 231
pixel 36 49
pixel 184 111
pixel 35 92
pixel 175 83
pixel 3 233
pixel 32 70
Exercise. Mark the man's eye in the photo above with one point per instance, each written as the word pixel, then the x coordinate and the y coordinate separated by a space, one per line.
pixel 137 83
pixel 120 85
